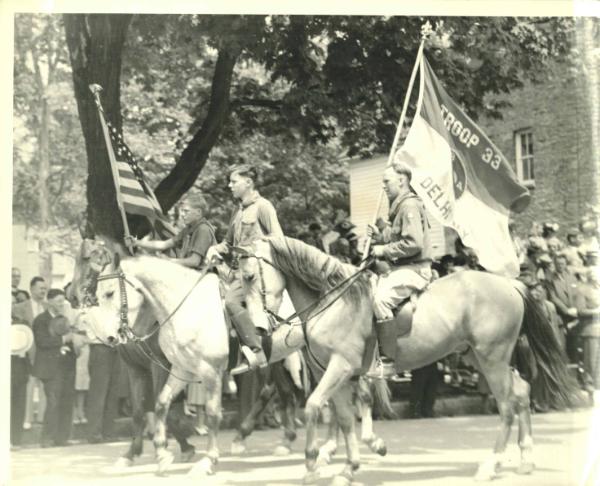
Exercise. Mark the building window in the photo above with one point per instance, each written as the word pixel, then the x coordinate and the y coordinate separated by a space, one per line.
pixel 524 156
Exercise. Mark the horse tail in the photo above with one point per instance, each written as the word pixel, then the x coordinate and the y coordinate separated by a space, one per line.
pixel 383 397
pixel 553 375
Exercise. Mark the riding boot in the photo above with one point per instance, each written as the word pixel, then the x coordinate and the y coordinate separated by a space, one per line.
pixel 386 337
pixel 251 344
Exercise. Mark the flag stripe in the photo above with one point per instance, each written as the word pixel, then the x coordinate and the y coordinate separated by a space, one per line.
pixel 132 190
pixel 490 175
pixel 462 190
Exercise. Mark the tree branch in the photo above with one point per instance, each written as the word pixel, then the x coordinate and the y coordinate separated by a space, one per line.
pixel 194 156
pixel 261 103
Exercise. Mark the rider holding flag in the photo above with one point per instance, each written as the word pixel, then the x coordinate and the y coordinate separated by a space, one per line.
pixel 193 241
pixel 407 250
pixel 254 217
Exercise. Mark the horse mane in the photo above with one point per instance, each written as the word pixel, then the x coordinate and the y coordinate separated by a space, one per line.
pixel 319 271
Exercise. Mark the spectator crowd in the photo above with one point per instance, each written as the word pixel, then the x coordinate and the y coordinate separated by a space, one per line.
pixel 65 377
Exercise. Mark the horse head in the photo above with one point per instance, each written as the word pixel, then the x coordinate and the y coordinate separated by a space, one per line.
pixel 93 257
pixel 263 283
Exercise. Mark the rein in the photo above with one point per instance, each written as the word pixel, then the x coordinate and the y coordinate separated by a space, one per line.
pixel 309 308
pixel 125 328
pixel 125 309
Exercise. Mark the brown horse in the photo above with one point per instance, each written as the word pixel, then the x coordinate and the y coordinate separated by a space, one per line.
pixel 471 310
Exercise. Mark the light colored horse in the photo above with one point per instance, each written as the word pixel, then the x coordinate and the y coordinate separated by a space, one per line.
pixel 475 311
pixel 193 338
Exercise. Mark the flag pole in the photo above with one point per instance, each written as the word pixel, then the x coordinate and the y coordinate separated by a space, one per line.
pixel 397 136
pixel 96 89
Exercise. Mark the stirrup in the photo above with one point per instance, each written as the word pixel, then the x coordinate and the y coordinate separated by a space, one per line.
pixel 253 360
pixel 383 370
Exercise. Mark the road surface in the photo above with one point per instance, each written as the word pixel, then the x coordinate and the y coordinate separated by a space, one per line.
pixel 441 451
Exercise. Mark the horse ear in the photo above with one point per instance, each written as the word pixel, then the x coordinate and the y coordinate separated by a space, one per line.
pixel 117 260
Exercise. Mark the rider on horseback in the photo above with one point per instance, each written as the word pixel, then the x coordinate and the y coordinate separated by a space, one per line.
pixel 193 241
pixel 255 217
pixel 406 248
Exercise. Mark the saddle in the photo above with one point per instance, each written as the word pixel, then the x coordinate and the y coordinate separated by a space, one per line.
pixel 404 313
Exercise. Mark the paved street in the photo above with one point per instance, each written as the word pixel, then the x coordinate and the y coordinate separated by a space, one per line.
pixel 421 452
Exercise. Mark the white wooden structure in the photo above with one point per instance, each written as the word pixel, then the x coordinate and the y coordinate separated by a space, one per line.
pixel 366 177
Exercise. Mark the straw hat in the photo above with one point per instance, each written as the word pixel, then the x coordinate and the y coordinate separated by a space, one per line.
pixel 21 338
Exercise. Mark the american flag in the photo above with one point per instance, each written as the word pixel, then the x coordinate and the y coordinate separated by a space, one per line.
pixel 135 194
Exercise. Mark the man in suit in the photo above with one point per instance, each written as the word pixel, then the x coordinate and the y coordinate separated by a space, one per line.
pixel 562 290
pixel 55 365
pixel 26 312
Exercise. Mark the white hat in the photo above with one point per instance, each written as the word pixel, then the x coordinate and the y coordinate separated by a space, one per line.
pixel 21 338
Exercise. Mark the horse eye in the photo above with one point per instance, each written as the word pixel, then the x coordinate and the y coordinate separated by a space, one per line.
pixel 109 294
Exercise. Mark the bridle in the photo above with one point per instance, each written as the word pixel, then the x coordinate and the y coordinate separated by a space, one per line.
pixel 347 282
pixel 126 332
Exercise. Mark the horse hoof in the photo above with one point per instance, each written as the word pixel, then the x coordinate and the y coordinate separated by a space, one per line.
pixel 526 468
pixel 165 459
pixel 311 477
pixel 378 447
pixel 323 458
pixel 123 462
pixel 238 447
pixel 341 480
pixel 188 455
pixel 282 450
pixel 485 472
pixel 204 467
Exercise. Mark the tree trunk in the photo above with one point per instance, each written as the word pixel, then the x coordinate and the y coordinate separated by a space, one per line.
pixel 194 157
pixel 45 248
pixel 95 45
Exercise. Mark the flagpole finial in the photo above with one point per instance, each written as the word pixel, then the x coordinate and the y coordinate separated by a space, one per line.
pixel 426 30
pixel 96 89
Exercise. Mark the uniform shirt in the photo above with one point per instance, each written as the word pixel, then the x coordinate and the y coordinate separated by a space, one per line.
pixel 408 239
pixel 195 237
pixel 250 221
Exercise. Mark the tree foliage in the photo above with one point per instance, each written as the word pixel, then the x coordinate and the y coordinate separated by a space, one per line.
pixel 49 161
pixel 288 93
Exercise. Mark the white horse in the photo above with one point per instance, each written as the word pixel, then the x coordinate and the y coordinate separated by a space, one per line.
pixel 192 334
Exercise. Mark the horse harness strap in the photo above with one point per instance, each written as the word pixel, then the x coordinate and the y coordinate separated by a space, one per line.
pixel 304 322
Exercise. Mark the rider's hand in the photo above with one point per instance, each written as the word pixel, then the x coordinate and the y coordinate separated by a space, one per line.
pixel 212 255
pixel 377 251
pixel 131 241
pixel 372 231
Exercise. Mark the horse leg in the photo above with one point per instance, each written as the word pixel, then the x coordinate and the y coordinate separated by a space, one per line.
pixel 521 390
pixel 176 422
pixel 345 415
pixel 365 403
pixel 329 448
pixel 267 393
pixel 285 387
pixel 172 387
pixel 337 373
pixel 500 380
pixel 211 378
pixel 136 393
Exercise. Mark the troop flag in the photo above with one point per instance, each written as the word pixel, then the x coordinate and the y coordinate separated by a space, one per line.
pixel 133 193
pixel 461 176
